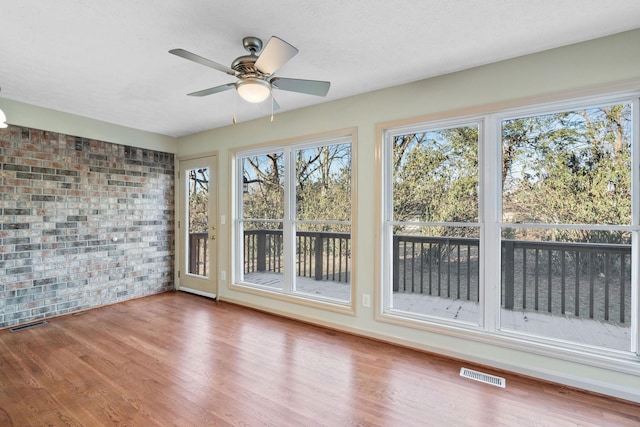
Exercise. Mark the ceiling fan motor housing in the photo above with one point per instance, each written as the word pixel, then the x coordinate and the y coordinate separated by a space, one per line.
pixel 245 65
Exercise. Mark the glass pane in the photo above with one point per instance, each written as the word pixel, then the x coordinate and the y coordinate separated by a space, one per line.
pixel 435 176
pixel 263 186
pixel 323 183
pixel 263 254
pixel 198 217
pixel 323 250
pixel 323 261
pixel 570 167
pixel 436 272
pixel 571 285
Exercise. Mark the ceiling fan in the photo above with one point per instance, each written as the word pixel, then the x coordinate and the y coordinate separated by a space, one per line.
pixel 255 71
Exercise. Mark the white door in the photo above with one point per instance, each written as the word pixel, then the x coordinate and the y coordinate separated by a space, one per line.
pixel 197 272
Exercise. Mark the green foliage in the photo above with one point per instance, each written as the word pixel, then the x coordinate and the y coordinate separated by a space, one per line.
pixel 198 200
pixel 264 179
pixel 569 168
pixel 323 186
pixel 562 168
pixel 435 177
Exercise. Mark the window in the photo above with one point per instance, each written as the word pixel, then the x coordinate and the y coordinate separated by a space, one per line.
pixel 294 219
pixel 521 226
pixel 432 222
pixel 567 225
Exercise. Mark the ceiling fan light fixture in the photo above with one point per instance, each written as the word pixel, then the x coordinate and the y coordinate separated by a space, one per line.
pixel 253 90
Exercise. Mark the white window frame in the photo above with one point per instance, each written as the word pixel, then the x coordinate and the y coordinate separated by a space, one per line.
pixel 490 220
pixel 290 221
pixel 388 224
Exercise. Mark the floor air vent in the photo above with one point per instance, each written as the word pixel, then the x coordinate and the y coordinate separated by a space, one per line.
pixel 27 326
pixel 483 378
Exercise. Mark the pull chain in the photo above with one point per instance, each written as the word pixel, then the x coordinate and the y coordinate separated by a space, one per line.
pixel 235 95
pixel 272 106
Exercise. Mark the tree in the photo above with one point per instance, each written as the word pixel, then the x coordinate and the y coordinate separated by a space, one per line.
pixel 569 168
pixel 198 200
pixel 435 178
pixel 263 176
pixel 322 186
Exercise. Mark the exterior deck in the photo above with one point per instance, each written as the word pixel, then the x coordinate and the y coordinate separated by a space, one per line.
pixel 573 292
pixel 561 327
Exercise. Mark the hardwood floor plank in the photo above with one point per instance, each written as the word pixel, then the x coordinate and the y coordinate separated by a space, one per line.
pixel 183 360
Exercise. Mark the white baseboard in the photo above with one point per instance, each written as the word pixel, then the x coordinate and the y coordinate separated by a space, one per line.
pixel 197 292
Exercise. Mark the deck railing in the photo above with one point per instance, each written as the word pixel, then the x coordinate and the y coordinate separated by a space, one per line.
pixel 580 279
pixel 589 280
pixel 439 266
pixel 198 253
pixel 319 255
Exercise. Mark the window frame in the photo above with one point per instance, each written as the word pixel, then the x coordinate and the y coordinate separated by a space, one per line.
pixel 490 217
pixel 574 104
pixel 290 220
pixel 389 221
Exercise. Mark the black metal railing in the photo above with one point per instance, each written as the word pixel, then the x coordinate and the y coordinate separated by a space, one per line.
pixel 580 279
pixel 198 253
pixel 319 255
pixel 440 266
pixel 589 280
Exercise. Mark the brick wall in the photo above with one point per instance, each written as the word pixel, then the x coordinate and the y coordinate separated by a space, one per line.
pixel 82 223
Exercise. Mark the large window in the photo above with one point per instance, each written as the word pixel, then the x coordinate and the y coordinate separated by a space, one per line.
pixel 432 222
pixel 294 219
pixel 522 225
pixel 567 225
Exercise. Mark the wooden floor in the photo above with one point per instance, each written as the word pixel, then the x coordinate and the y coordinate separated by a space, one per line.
pixel 183 360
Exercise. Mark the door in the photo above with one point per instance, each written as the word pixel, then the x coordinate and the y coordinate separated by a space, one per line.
pixel 197 272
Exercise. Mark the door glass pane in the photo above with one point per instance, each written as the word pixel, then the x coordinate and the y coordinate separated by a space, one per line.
pixel 197 217
pixel 560 280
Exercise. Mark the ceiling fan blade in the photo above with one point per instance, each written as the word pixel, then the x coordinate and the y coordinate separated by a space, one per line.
pixel 203 61
pixel 212 90
pixel 310 87
pixel 275 54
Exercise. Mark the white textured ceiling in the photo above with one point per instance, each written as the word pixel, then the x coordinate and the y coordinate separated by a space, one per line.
pixel 108 60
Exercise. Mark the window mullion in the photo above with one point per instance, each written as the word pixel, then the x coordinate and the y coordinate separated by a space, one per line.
pixel 635 221
pixel 490 215
pixel 238 263
pixel 387 225
pixel 288 225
